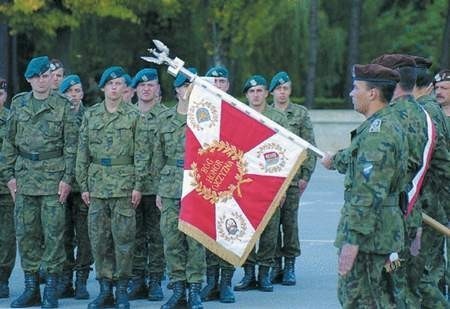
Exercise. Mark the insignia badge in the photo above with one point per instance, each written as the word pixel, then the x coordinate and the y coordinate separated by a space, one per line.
pixel 253 82
pixel 144 78
pixel 281 81
pixel 367 170
pixel 231 227
pixel 375 126
pixel 273 157
pixel 52 67
pixel 214 73
pixel 72 82
pixel 202 115
pixel 113 75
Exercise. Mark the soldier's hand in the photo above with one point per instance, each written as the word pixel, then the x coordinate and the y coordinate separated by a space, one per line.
pixel 136 197
pixel 327 161
pixel 302 184
pixel 63 191
pixel 12 186
pixel 158 202
pixel 85 196
pixel 347 258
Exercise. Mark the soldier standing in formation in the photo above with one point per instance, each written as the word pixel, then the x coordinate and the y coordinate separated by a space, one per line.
pixel 57 70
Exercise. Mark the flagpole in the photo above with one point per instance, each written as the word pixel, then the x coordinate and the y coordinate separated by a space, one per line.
pixel 176 65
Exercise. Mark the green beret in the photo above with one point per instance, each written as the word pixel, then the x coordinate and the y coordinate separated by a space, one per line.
pixel 375 73
pixel 217 71
pixel 37 66
pixel 442 76
pixel 68 82
pixel 395 61
pixel 143 76
pixel 128 80
pixel 109 74
pixel 181 79
pixel 279 79
pixel 255 80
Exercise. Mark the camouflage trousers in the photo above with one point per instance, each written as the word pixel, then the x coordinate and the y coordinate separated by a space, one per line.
pixel 366 285
pixel 185 257
pixel 40 232
pixel 288 243
pixel 112 230
pixel 76 235
pixel 267 245
pixel 7 237
pixel 148 257
pixel 213 260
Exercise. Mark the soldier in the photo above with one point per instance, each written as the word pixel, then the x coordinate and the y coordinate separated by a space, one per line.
pixel 429 266
pixel 110 173
pixel 7 231
pixel 371 230
pixel 215 266
pixel 300 124
pixel 185 257
pixel 128 94
pixel 76 227
pixel 57 69
pixel 255 89
pixel 148 259
pixel 39 157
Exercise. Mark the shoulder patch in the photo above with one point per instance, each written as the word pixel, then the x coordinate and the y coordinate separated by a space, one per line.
pixel 375 127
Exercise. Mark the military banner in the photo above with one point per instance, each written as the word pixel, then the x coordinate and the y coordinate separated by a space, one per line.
pixel 238 165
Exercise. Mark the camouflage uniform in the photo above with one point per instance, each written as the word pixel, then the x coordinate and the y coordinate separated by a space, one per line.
pixel 375 165
pixel 149 252
pixel 39 151
pixel 107 148
pixel 7 231
pixel 185 257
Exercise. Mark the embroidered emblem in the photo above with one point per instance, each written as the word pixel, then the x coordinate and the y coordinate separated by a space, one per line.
pixel 367 170
pixel 375 126
pixel 231 227
pixel 202 115
pixel 253 82
pixel 274 157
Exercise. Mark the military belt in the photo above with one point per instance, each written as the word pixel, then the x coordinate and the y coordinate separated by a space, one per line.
pixel 391 200
pixel 124 160
pixel 175 162
pixel 40 156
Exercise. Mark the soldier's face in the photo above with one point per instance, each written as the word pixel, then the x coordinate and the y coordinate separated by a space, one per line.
pixel 41 83
pixel 75 93
pixel 282 93
pixel 114 88
pixel 222 83
pixel 128 94
pixel 256 95
pixel 3 95
pixel 442 90
pixel 57 77
pixel 147 91
pixel 360 95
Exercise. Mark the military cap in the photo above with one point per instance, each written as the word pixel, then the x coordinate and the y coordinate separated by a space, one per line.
pixel 3 84
pixel 55 64
pixel 109 74
pixel 128 80
pixel 255 80
pixel 279 79
pixel 375 73
pixel 143 76
pixel 181 79
pixel 422 62
pixel 68 82
pixel 442 76
pixel 217 71
pixel 395 61
pixel 37 66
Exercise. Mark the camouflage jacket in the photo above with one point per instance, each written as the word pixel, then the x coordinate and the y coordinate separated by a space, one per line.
pixel 300 124
pixel 3 117
pixel 104 138
pixel 377 158
pixel 79 118
pixel 39 128
pixel 147 130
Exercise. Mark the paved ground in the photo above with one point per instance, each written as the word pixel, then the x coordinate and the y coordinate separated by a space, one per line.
pixel 316 268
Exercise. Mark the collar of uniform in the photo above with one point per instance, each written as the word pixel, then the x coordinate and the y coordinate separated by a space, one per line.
pixel 376 115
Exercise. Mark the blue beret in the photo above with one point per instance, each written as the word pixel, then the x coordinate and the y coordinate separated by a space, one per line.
pixel 217 71
pixel 37 66
pixel 144 75
pixel 279 79
pixel 128 79
pixel 111 73
pixel 68 82
pixel 255 80
pixel 180 80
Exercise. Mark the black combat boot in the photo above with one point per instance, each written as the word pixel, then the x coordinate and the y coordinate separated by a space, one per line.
pixel 4 289
pixel 249 281
pixel 81 291
pixel 211 289
pixel 42 276
pixel 195 301
pixel 122 295
pixel 137 289
pixel 105 299
pixel 289 271
pixel 50 298
pixel 276 275
pixel 264 283
pixel 31 296
pixel 155 292
pixel 226 292
pixel 65 285
pixel 178 297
